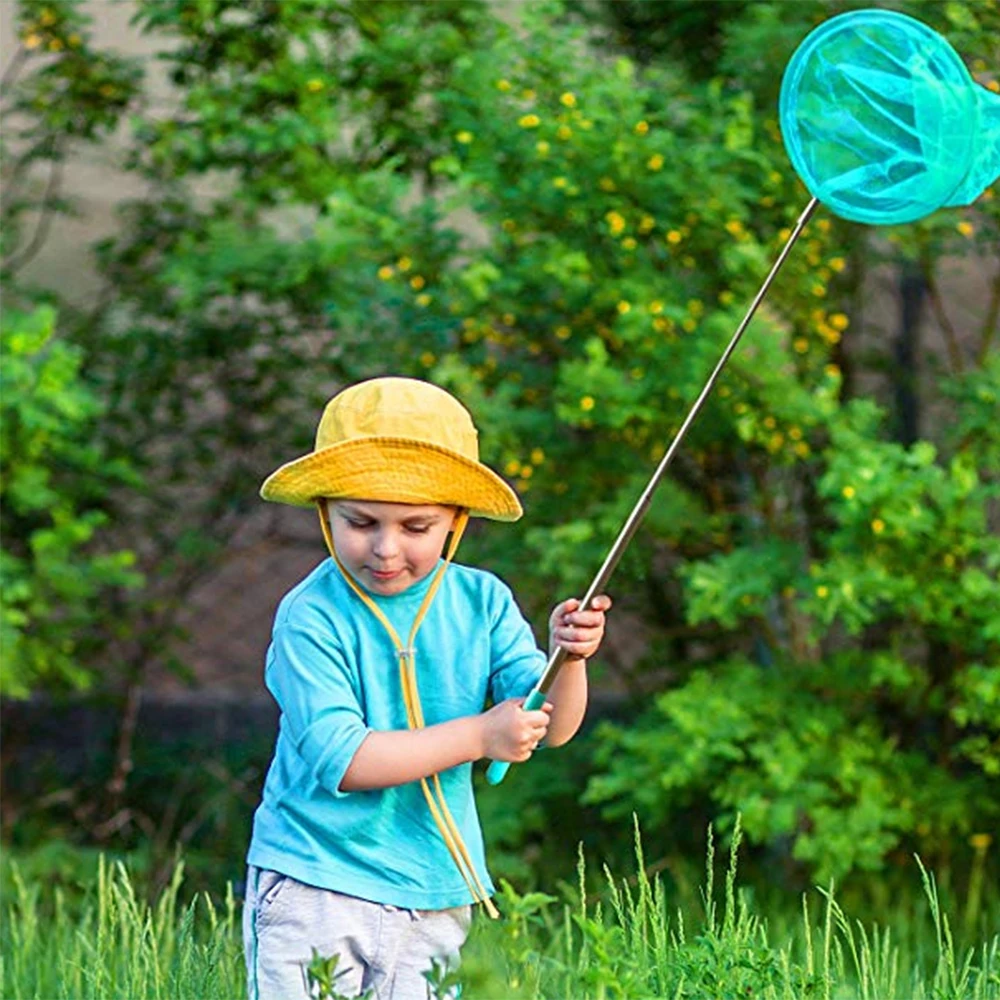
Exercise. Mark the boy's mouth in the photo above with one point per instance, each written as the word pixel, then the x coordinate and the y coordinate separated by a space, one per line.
pixel 383 575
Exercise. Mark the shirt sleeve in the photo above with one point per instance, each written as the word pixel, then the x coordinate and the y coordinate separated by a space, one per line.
pixel 320 701
pixel 516 662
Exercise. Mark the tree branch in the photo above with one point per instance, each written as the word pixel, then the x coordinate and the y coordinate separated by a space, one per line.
pixel 17 260
pixel 992 321
pixel 947 329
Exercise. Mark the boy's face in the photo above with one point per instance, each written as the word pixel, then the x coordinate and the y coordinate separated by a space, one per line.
pixel 388 546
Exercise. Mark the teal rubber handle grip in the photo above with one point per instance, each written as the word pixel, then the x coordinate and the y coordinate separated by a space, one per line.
pixel 498 769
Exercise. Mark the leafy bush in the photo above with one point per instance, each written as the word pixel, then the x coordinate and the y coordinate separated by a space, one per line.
pixel 54 478
pixel 568 239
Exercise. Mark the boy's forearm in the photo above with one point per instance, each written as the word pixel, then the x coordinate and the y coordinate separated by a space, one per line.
pixel 568 695
pixel 400 756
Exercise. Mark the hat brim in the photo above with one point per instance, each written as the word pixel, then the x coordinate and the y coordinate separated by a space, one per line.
pixel 393 470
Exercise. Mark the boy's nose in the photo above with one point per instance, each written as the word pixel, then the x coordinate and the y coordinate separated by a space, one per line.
pixel 385 545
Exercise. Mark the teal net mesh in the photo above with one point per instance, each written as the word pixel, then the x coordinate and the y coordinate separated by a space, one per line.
pixel 883 122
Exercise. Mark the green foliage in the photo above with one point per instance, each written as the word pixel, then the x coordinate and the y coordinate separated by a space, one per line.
pixel 567 239
pixel 54 478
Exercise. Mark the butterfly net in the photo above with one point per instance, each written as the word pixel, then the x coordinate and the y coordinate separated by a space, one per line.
pixel 883 122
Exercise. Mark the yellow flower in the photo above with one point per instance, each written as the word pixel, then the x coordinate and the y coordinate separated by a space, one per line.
pixel 795 433
pixel 563 332
pixel 674 237
pixel 417 282
pixel 543 147
pixel 655 162
pixel 822 591
pixel 587 403
pixel 628 243
pixel 385 272
pixel 662 325
pixel 526 471
pixel 404 263
pixel 966 228
pixel 837 264
pixel 734 227
pixel 55 45
pixel 563 132
pixel 690 325
pixel 46 18
pixel 641 128
pixel 427 359
pixel 878 526
pixel 839 321
pixel 314 85
pixel 624 307
pixel 607 184
pixel 655 307
pixel 818 289
pixel 696 307
pixel 528 94
pixel 529 121
pixel 423 300
pixel 832 371
pixel 980 841
pixel 568 99
pixel 770 423
pixel 559 182
pixel 994 85
pixel 74 40
pixel 464 137
pixel 616 221
pixel 802 449
pixel 848 491
pixel 726 297
pixel 801 345
pixel 537 456
pixel 503 85
pixel 512 467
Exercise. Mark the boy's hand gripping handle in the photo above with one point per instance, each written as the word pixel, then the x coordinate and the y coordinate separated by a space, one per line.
pixel 498 768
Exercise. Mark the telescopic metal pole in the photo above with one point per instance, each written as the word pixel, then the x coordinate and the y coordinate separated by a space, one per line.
pixel 497 769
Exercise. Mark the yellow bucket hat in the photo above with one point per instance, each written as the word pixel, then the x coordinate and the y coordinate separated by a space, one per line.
pixel 396 440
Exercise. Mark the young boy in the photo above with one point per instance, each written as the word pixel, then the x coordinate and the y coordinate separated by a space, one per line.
pixel 366 844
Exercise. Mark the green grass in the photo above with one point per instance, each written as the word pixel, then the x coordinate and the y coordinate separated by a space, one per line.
pixel 629 942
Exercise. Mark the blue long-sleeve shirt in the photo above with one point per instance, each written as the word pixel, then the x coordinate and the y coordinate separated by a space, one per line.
pixel 334 673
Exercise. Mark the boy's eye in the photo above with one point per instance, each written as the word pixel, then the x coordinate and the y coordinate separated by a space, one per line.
pixel 417 529
pixel 358 524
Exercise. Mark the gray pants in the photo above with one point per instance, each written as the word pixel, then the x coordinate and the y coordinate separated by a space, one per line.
pixel 383 951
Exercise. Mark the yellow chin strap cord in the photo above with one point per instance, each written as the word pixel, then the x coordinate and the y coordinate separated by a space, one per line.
pixel 414 714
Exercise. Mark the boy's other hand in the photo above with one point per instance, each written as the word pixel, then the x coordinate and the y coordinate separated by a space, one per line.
pixel 578 632
pixel 512 734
